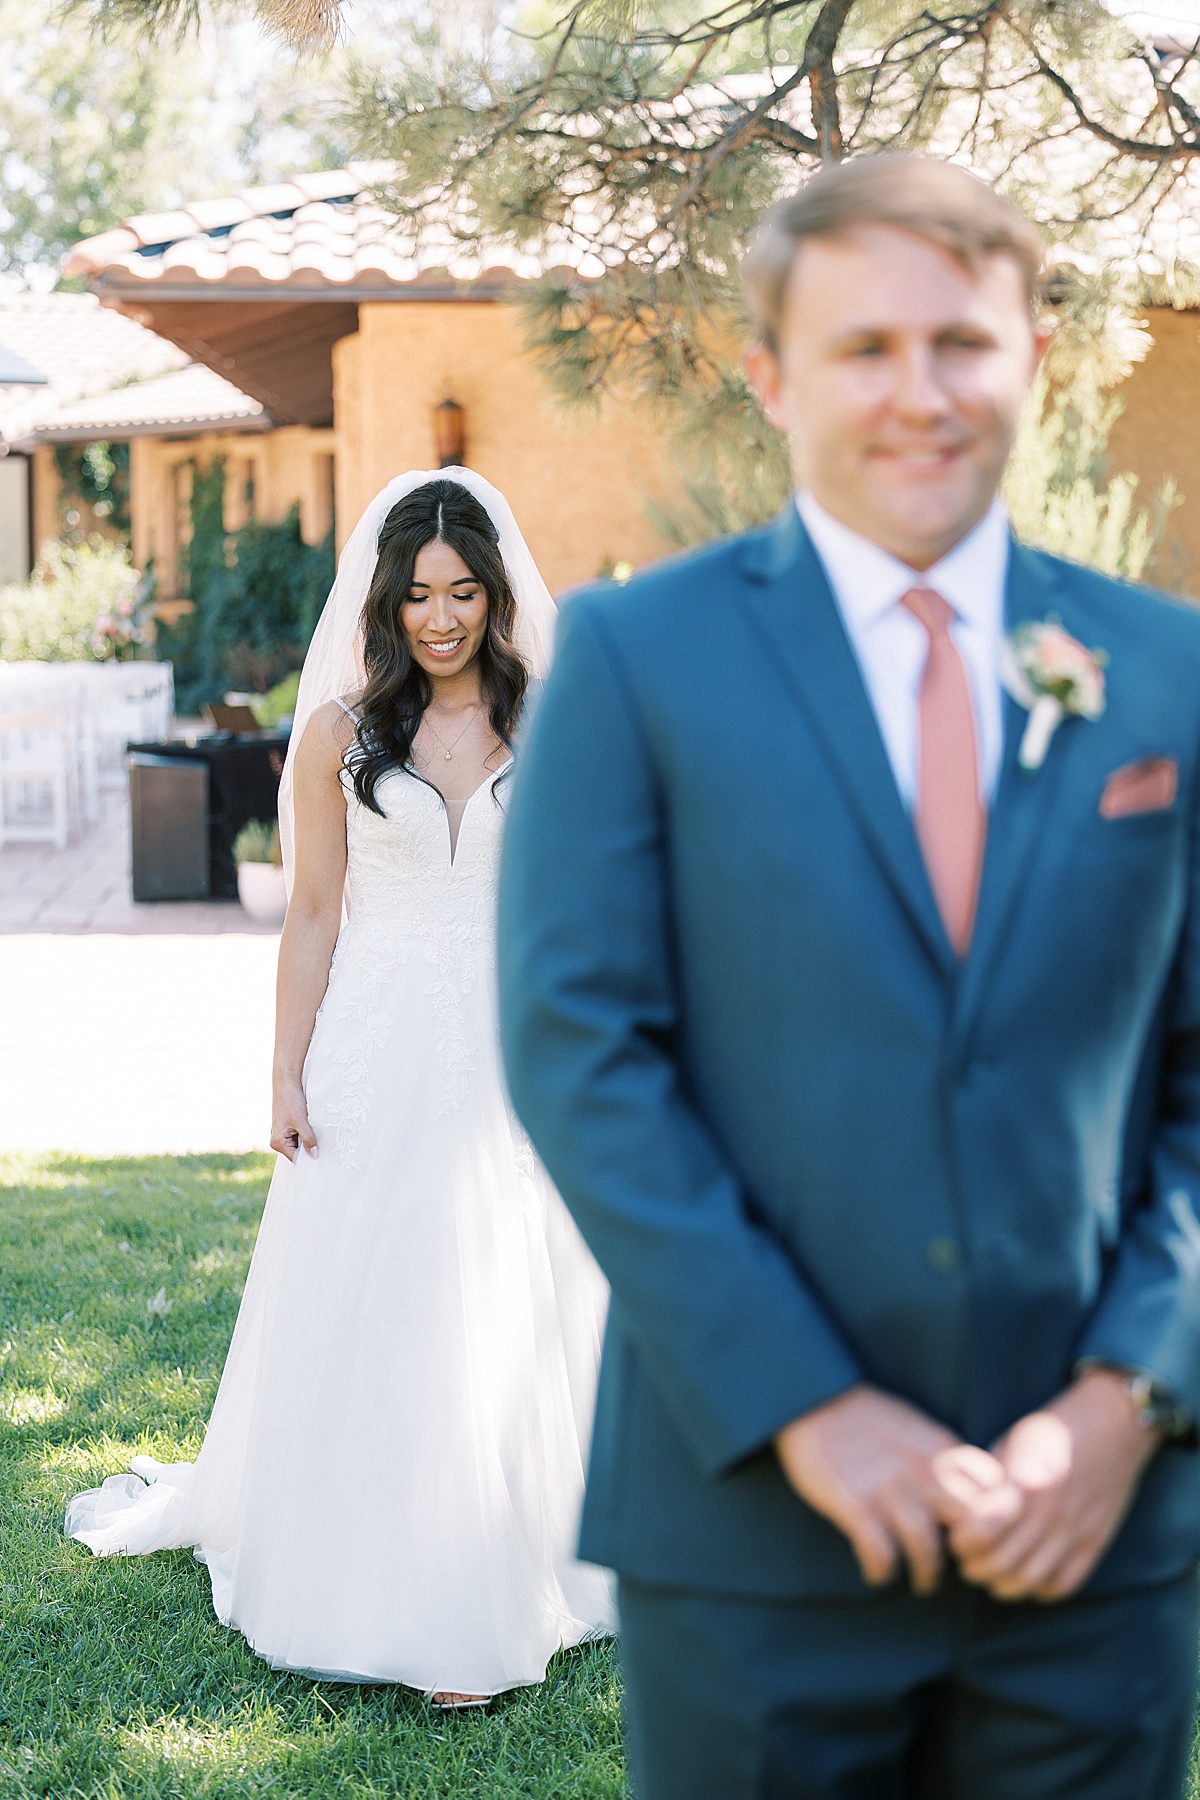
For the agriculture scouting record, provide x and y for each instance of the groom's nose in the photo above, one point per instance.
(919, 389)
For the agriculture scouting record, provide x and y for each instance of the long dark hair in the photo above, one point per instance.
(397, 689)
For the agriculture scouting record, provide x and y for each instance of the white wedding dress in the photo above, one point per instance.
(390, 1484)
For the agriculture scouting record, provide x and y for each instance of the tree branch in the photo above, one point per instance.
(1134, 148)
(819, 49)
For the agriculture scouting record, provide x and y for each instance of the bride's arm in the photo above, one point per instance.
(314, 917)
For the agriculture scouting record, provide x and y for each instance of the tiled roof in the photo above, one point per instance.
(316, 231)
(174, 404)
(80, 347)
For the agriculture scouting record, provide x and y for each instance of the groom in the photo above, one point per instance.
(861, 1033)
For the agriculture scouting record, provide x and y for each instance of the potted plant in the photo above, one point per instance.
(275, 708)
(259, 862)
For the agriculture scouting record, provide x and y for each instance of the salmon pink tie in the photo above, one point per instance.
(951, 818)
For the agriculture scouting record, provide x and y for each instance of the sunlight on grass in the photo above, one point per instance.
(21, 1407)
(233, 1747)
(116, 1681)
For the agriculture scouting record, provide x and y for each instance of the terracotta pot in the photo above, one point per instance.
(261, 891)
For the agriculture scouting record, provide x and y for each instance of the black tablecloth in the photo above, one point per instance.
(243, 784)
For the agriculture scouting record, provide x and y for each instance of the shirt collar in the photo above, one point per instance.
(868, 580)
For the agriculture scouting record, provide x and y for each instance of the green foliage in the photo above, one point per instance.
(640, 141)
(98, 475)
(206, 552)
(1062, 492)
(89, 133)
(116, 1681)
(733, 468)
(257, 612)
(95, 126)
(258, 842)
(255, 609)
(256, 594)
(1064, 497)
(279, 702)
(648, 138)
(83, 603)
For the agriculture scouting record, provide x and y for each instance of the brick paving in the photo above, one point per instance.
(86, 887)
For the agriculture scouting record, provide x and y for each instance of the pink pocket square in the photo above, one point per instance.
(1146, 786)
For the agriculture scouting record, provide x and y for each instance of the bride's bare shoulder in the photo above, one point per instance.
(327, 736)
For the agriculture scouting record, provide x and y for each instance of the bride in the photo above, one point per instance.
(389, 1485)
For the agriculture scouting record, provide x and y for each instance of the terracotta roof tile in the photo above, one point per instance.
(216, 215)
(160, 228)
(284, 196)
(324, 229)
(181, 401)
(328, 184)
(110, 246)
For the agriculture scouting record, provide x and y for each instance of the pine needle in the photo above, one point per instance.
(304, 24)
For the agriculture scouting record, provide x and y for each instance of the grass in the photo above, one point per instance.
(116, 1682)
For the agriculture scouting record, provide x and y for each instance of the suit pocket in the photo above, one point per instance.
(1148, 786)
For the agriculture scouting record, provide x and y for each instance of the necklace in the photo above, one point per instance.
(449, 753)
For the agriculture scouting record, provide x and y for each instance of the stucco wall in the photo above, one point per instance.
(1159, 435)
(289, 465)
(578, 484)
(46, 520)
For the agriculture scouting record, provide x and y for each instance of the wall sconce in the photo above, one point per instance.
(450, 434)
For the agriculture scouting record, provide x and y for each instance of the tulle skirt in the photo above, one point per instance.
(390, 1483)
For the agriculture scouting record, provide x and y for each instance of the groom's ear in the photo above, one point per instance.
(764, 375)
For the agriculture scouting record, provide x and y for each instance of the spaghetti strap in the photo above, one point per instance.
(348, 710)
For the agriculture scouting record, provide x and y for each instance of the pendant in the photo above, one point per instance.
(449, 758)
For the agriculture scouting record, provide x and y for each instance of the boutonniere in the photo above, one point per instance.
(1054, 677)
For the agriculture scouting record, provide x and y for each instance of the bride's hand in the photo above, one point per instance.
(290, 1129)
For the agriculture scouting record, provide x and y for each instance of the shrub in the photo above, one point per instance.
(1064, 497)
(256, 594)
(97, 475)
(1063, 493)
(83, 603)
(258, 842)
(278, 702)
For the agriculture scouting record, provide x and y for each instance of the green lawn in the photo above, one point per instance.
(116, 1682)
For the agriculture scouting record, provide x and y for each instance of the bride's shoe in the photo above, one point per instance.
(448, 1701)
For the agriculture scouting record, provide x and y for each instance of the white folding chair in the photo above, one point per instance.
(35, 778)
(61, 688)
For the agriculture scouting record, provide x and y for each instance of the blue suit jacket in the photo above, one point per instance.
(806, 1145)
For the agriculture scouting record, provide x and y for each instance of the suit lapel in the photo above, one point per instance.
(791, 606)
(1020, 813)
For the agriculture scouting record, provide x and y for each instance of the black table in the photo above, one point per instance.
(243, 784)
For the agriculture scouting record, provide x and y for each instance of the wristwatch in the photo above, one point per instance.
(1154, 1405)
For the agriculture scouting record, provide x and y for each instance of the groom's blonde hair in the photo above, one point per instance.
(934, 200)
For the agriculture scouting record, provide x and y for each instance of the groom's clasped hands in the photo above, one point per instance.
(1027, 1520)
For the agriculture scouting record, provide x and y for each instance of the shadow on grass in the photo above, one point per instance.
(116, 1681)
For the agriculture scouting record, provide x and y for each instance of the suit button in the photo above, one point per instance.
(942, 1255)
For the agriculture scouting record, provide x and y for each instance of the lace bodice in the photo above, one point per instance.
(400, 868)
(411, 903)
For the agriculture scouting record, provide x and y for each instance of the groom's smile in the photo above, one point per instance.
(899, 379)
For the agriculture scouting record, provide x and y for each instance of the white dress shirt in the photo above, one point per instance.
(891, 644)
